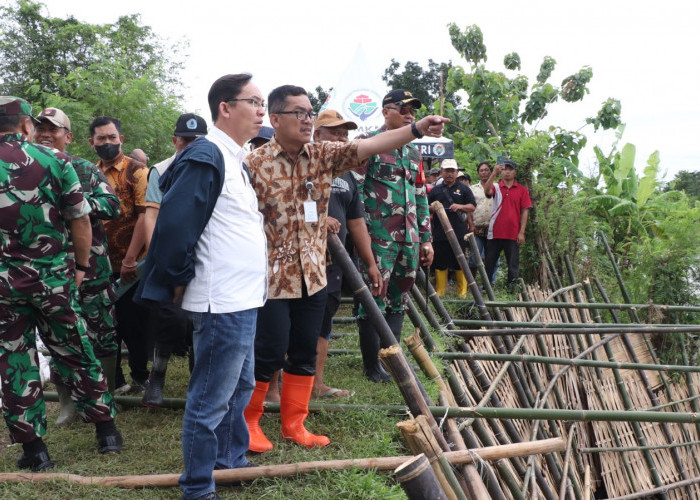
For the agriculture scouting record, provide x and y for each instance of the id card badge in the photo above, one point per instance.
(310, 212)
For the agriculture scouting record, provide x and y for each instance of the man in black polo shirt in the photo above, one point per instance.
(457, 199)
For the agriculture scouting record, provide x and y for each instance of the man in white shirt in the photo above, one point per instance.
(211, 254)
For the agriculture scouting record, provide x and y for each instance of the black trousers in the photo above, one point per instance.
(132, 328)
(291, 327)
(170, 328)
(511, 249)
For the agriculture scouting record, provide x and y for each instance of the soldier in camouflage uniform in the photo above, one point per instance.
(392, 186)
(96, 291)
(40, 200)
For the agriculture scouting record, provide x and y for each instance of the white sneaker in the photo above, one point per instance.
(122, 389)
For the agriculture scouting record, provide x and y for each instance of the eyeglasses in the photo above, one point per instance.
(256, 104)
(337, 132)
(301, 115)
(404, 110)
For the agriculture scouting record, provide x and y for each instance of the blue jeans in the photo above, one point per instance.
(214, 432)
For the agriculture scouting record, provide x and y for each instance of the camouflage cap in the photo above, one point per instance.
(15, 106)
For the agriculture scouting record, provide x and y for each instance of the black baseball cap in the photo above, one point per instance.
(190, 125)
(401, 96)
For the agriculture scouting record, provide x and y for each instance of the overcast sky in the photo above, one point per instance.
(643, 53)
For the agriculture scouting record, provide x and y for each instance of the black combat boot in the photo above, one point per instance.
(369, 345)
(153, 396)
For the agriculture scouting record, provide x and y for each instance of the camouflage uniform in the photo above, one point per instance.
(398, 220)
(39, 194)
(96, 292)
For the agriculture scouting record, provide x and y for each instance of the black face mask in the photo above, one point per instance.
(108, 151)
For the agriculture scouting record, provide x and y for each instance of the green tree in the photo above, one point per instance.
(502, 117)
(424, 84)
(688, 182)
(121, 69)
(318, 97)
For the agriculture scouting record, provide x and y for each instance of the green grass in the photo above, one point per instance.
(152, 444)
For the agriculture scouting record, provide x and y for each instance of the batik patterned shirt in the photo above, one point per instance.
(39, 195)
(129, 179)
(296, 248)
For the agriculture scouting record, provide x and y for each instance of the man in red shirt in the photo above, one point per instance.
(508, 220)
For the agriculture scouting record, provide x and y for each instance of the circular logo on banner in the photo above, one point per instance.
(191, 124)
(329, 97)
(438, 150)
(362, 103)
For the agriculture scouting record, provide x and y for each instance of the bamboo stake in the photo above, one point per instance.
(573, 305)
(554, 294)
(425, 308)
(647, 386)
(515, 372)
(527, 358)
(395, 362)
(637, 326)
(637, 448)
(662, 490)
(565, 329)
(491, 481)
(287, 470)
(587, 494)
(414, 316)
(603, 294)
(565, 468)
(419, 436)
(418, 480)
(620, 282)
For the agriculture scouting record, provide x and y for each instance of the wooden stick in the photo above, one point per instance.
(286, 470)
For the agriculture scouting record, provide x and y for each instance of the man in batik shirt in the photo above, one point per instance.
(96, 292)
(40, 200)
(292, 178)
(126, 237)
(392, 186)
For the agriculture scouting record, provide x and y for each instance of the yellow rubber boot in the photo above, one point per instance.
(440, 281)
(461, 284)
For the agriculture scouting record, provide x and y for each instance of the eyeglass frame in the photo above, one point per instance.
(256, 104)
(310, 115)
(404, 109)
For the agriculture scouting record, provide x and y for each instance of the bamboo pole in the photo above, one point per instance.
(619, 449)
(414, 316)
(601, 290)
(515, 372)
(360, 290)
(528, 358)
(396, 363)
(287, 470)
(418, 480)
(564, 330)
(637, 326)
(573, 305)
(650, 392)
(419, 436)
(565, 468)
(662, 490)
(618, 276)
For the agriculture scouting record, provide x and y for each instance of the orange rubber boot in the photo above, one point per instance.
(294, 407)
(258, 442)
